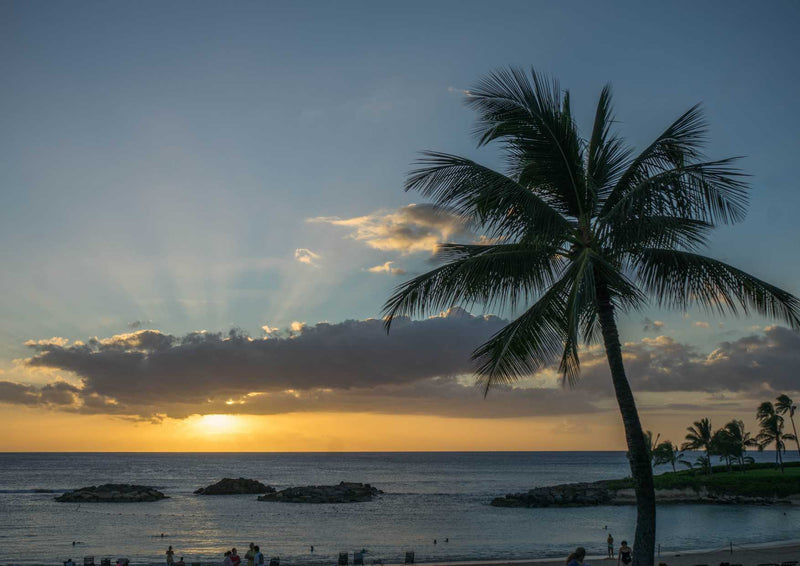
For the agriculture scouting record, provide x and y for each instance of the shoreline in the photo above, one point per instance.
(749, 555)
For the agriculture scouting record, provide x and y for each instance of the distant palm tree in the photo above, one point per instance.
(739, 440)
(578, 230)
(784, 405)
(668, 453)
(772, 431)
(700, 437)
(652, 444)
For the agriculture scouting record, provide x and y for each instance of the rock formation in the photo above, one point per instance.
(345, 492)
(111, 493)
(230, 486)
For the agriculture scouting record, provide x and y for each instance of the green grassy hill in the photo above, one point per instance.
(759, 480)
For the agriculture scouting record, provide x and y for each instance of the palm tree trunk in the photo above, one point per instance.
(645, 537)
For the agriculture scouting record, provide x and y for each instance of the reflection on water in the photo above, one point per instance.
(428, 496)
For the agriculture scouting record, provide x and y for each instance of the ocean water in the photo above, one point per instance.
(427, 496)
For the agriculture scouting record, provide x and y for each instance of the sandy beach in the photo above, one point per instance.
(775, 553)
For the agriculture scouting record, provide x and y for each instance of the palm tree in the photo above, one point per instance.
(668, 453)
(700, 437)
(579, 230)
(739, 440)
(772, 431)
(651, 444)
(784, 405)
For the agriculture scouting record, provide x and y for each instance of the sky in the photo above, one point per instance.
(202, 213)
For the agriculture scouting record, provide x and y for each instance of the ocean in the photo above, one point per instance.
(428, 495)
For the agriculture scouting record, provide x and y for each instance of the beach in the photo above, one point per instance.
(753, 555)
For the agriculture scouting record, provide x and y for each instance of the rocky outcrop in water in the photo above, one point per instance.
(231, 486)
(565, 495)
(112, 493)
(345, 492)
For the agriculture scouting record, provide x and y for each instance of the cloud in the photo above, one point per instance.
(304, 255)
(652, 325)
(421, 367)
(137, 324)
(409, 229)
(757, 364)
(58, 393)
(701, 324)
(387, 268)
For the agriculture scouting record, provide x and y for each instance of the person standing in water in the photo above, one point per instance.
(170, 556)
(610, 541)
(624, 555)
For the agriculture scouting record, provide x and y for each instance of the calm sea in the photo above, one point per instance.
(428, 496)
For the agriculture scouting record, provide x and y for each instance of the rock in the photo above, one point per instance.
(345, 492)
(230, 486)
(565, 495)
(112, 493)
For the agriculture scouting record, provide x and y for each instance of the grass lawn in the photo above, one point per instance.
(758, 480)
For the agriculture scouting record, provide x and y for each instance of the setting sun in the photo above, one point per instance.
(217, 424)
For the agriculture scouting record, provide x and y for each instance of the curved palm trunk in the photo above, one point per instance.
(645, 538)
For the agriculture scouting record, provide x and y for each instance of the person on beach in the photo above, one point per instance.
(258, 558)
(180, 562)
(235, 558)
(227, 561)
(624, 554)
(610, 541)
(576, 558)
(170, 556)
(250, 554)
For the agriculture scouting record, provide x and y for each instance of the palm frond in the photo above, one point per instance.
(500, 204)
(537, 130)
(658, 232)
(679, 279)
(526, 344)
(497, 275)
(607, 156)
(711, 191)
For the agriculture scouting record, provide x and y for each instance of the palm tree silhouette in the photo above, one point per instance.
(772, 431)
(784, 405)
(579, 230)
(700, 437)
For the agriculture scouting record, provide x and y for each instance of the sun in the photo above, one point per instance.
(218, 424)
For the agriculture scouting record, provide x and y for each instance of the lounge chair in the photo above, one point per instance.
(343, 559)
(409, 558)
(89, 561)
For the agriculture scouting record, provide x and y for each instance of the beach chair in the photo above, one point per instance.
(409, 558)
(343, 559)
(358, 559)
(89, 561)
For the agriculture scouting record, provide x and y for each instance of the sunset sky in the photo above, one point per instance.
(202, 213)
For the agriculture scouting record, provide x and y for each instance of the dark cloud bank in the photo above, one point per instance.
(355, 366)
